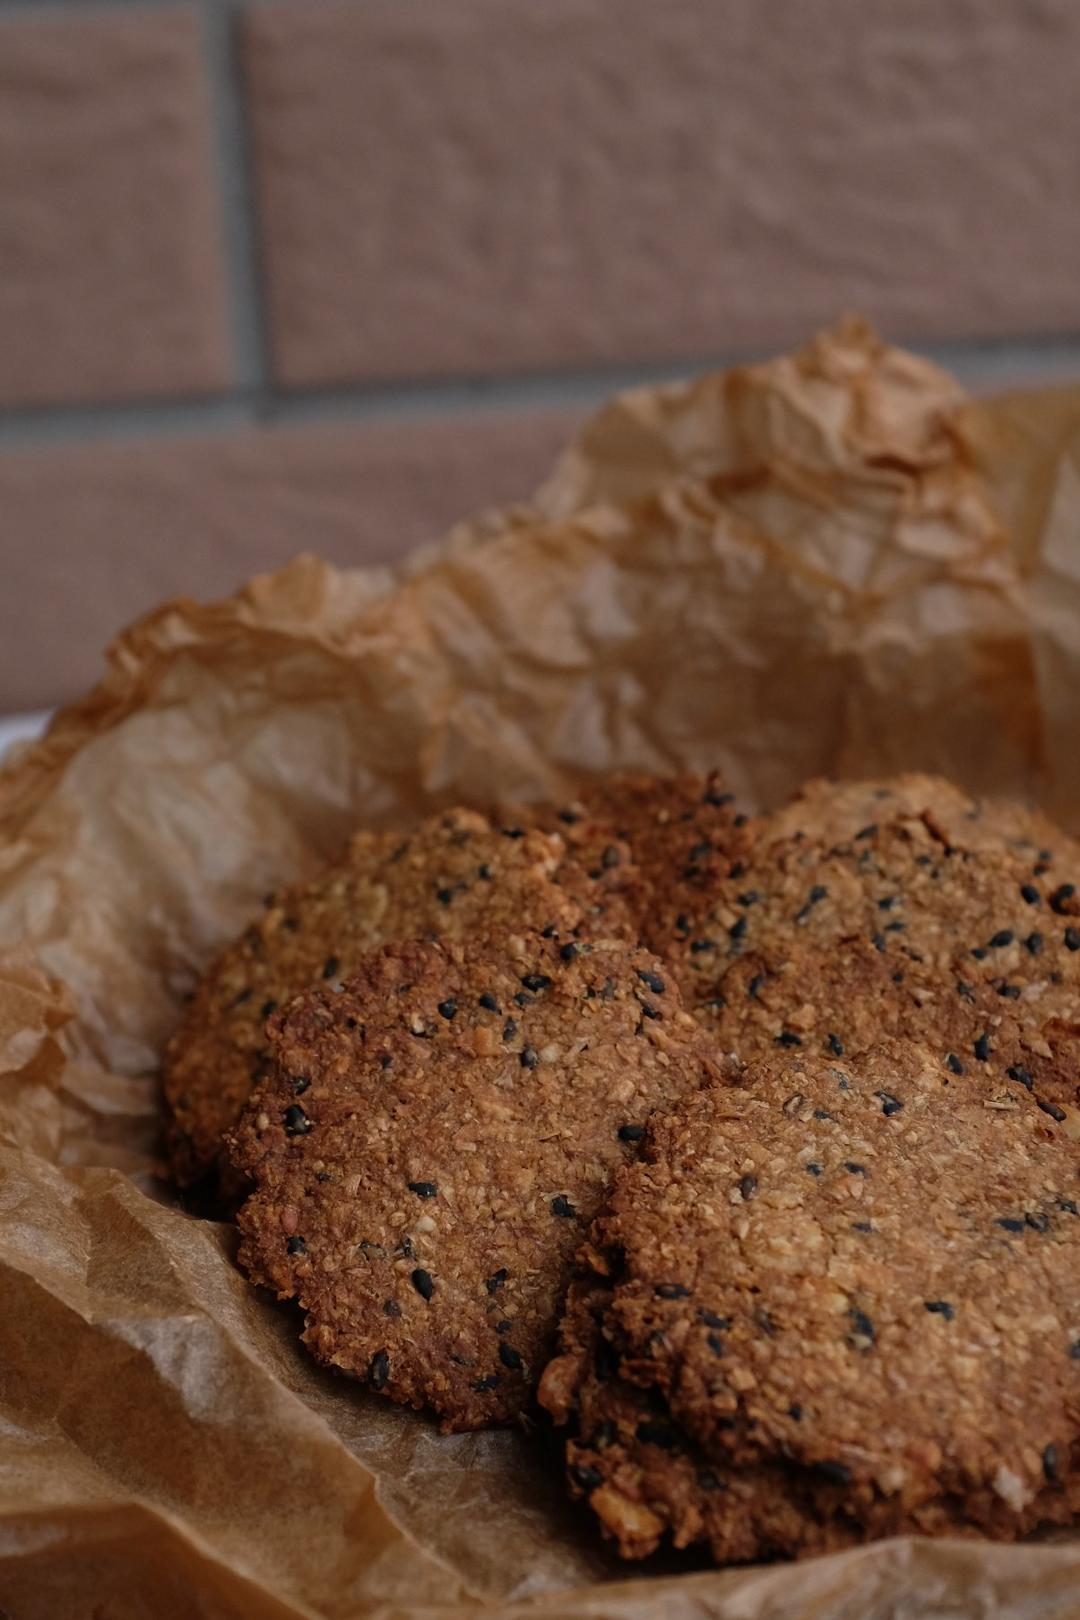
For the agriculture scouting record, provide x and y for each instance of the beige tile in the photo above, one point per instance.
(95, 535)
(485, 185)
(110, 266)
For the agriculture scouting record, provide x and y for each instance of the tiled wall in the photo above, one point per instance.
(327, 274)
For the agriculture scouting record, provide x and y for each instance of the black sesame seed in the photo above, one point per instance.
(1052, 1109)
(509, 1356)
(699, 945)
(496, 1280)
(940, 1307)
(488, 1382)
(330, 967)
(649, 1011)
(1034, 943)
(300, 1084)
(561, 1205)
(631, 1133)
(1038, 1223)
(671, 1291)
(862, 1324)
(536, 981)
(711, 1319)
(861, 1226)
(550, 932)
(657, 1434)
(979, 953)
(607, 991)
(424, 1189)
(823, 1113)
(834, 1473)
(448, 1008)
(651, 981)
(385, 1060)
(512, 832)
(1061, 894)
(795, 1411)
(504, 1325)
(1003, 937)
(1072, 939)
(836, 1045)
(296, 1245)
(715, 1343)
(868, 831)
(786, 1038)
(588, 1478)
(391, 1308)
(718, 799)
(1008, 1223)
(444, 896)
(1070, 1205)
(484, 873)
(1022, 1076)
(245, 995)
(379, 1369)
(570, 817)
(568, 951)
(854, 1169)
(1050, 1462)
(982, 1048)
(529, 1058)
(814, 1169)
(267, 1008)
(953, 1062)
(878, 941)
(890, 1105)
(964, 990)
(1030, 893)
(489, 1002)
(510, 1029)
(748, 1187)
(737, 929)
(755, 985)
(296, 1121)
(750, 898)
(522, 1000)
(423, 1282)
(1074, 1350)
(740, 820)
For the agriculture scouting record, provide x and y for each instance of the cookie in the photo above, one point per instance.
(456, 873)
(838, 1003)
(848, 1291)
(997, 912)
(657, 842)
(433, 1142)
(829, 812)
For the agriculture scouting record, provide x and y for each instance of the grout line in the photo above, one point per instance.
(236, 195)
(978, 365)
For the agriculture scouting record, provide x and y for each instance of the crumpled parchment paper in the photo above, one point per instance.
(830, 563)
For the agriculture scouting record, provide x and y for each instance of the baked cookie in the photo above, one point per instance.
(998, 911)
(432, 1143)
(845, 1293)
(455, 874)
(658, 842)
(835, 812)
(838, 1003)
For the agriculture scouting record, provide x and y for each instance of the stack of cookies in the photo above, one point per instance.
(750, 1146)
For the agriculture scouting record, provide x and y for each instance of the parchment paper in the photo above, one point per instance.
(831, 563)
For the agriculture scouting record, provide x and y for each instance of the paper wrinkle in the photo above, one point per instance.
(832, 563)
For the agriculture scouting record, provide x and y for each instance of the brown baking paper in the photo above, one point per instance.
(832, 563)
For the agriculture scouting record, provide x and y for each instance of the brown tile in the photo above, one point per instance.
(110, 265)
(492, 184)
(94, 535)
